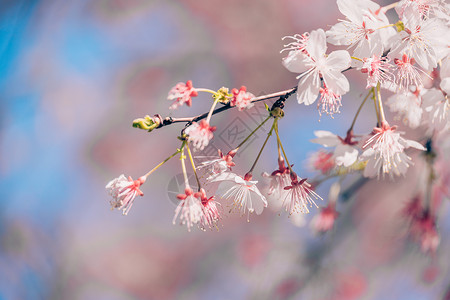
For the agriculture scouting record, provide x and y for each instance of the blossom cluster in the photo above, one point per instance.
(407, 58)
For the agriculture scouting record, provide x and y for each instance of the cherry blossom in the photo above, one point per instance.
(384, 152)
(299, 196)
(422, 40)
(218, 165)
(378, 70)
(329, 102)
(124, 191)
(324, 221)
(211, 214)
(182, 93)
(200, 134)
(407, 74)
(322, 161)
(362, 28)
(316, 66)
(424, 231)
(407, 105)
(345, 154)
(279, 179)
(190, 209)
(242, 98)
(242, 192)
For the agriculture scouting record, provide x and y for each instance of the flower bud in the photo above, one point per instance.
(147, 123)
(222, 95)
(277, 112)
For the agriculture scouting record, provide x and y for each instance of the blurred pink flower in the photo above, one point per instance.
(182, 93)
(200, 134)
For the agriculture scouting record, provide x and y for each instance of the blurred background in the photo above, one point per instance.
(73, 76)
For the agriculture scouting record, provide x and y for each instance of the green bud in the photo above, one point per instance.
(399, 26)
(222, 95)
(147, 123)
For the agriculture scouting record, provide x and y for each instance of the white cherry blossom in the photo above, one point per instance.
(317, 65)
(241, 192)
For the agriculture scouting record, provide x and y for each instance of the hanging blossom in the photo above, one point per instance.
(406, 74)
(407, 105)
(299, 196)
(241, 98)
(182, 93)
(211, 214)
(324, 221)
(322, 161)
(421, 40)
(200, 134)
(384, 152)
(242, 192)
(190, 209)
(219, 165)
(279, 179)
(361, 28)
(316, 65)
(345, 154)
(377, 69)
(124, 191)
(329, 102)
(423, 230)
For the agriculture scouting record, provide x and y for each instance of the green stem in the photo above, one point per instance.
(281, 146)
(262, 148)
(359, 110)
(376, 107)
(161, 163)
(183, 167)
(380, 103)
(193, 165)
(256, 129)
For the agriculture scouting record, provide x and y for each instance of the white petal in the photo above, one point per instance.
(326, 138)
(336, 81)
(414, 144)
(445, 85)
(308, 88)
(345, 155)
(317, 44)
(338, 60)
(296, 62)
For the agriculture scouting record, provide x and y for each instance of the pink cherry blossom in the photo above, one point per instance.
(329, 102)
(279, 179)
(124, 191)
(322, 161)
(378, 70)
(190, 209)
(406, 74)
(218, 165)
(317, 65)
(211, 214)
(424, 231)
(385, 152)
(324, 221)
(199, 134)
(242, 98)
(345, 154)
(182, 93)
(299, 196)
